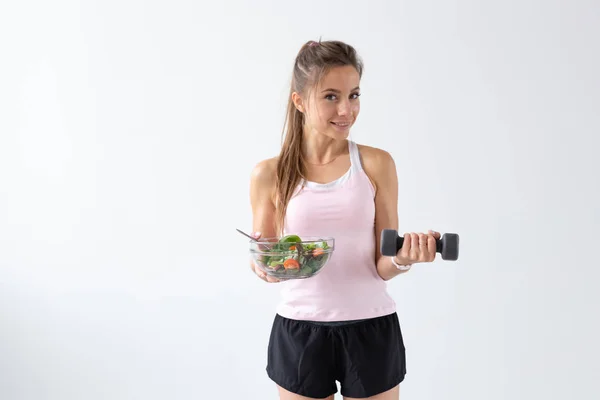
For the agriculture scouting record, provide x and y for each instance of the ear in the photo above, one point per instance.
(298, 102)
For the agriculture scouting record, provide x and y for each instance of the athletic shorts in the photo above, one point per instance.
(366, 356)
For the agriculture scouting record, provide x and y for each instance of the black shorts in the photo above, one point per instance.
(367, 357)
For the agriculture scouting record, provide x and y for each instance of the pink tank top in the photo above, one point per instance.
(348, 287)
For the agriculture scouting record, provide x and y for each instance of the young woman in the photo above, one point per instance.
(340, 325)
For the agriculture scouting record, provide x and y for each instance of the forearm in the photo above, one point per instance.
(387, 270)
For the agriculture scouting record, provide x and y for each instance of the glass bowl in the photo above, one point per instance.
(292, 257)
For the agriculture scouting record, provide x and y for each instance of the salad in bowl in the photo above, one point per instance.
(292, 256)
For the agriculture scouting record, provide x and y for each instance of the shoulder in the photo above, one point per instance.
(378, 164)
(374, 157)
(263, 176)
(264, 171)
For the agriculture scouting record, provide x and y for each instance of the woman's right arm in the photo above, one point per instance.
(262, 195)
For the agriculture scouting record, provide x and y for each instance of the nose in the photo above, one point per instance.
(344, 108)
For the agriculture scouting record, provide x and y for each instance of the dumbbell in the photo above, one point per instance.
(447, 245)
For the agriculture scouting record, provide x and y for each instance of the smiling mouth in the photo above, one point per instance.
(341, 124)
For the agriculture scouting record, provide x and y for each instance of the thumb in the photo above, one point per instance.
(256, 235)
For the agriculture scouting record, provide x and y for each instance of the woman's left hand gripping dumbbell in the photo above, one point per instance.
(417, 248)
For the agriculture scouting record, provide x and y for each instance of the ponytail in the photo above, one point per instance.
(290, 166)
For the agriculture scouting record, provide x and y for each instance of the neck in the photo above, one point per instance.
(319, 149)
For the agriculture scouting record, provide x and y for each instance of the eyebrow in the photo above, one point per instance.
(337, 91)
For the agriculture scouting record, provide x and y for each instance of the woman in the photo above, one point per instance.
(340, 325)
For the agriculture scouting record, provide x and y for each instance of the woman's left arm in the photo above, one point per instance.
(417, 247)
(385, 178)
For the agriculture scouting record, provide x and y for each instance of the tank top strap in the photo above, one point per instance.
(354, 156)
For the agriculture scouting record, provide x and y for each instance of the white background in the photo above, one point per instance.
(128, 131)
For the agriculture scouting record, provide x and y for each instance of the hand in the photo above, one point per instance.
(418, 248)
(262, 275)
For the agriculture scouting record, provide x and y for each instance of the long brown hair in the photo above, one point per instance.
(313, 61)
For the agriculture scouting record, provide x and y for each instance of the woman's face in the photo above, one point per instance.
(334, 104)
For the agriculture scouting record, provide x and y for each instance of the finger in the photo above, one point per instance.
(414, 247)
(405, 250)
(260, 274)
(422, 240)
(431, 247)
(423, 254)
(271, 279)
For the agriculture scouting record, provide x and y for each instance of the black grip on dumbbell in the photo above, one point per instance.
(447, 245)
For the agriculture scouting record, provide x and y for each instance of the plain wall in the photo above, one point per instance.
(128, 131)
